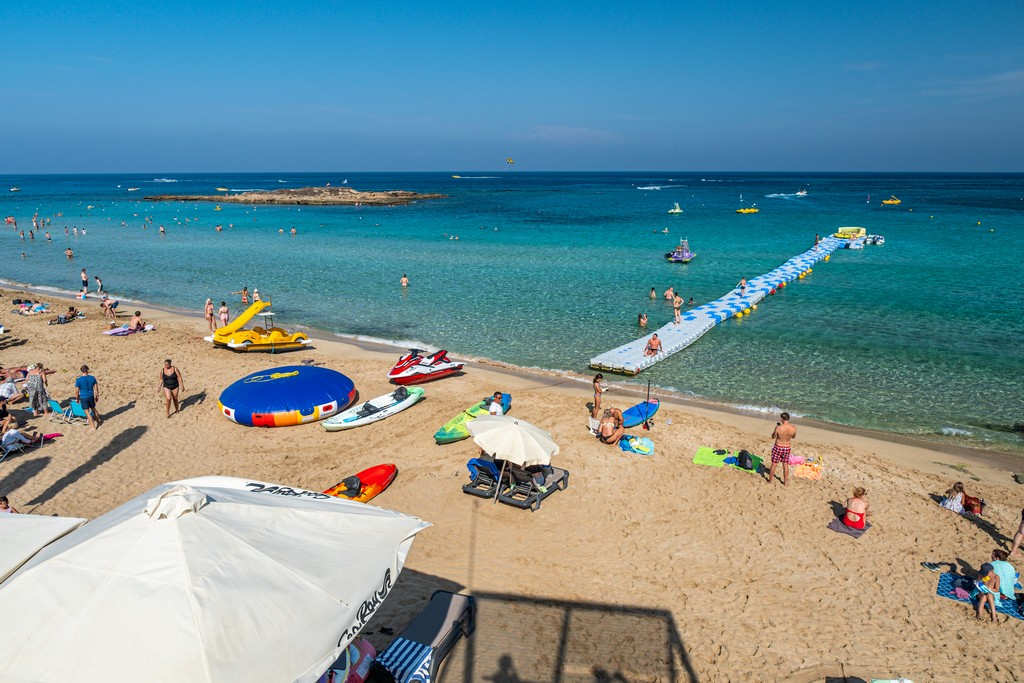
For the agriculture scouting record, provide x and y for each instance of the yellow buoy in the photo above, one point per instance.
(979, 222)
(739, 314)
(754, 307)
(827, 258)
(746, 311)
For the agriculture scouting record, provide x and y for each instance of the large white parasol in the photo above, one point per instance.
(212, 579)
(512, 439)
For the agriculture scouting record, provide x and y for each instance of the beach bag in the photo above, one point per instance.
(744, 460)
(972, 505)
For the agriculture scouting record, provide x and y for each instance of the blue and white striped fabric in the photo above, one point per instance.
(407, 661)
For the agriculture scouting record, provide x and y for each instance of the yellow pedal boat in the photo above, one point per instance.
(267, 338)
(892, 201)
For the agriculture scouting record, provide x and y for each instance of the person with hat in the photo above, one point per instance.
(256, 295)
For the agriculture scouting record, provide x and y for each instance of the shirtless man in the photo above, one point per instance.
(670, 294)
(137, 324)
(783, 435)
(653, 346)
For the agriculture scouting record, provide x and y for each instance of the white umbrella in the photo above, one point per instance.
(21, 537)
(512, 439)
(221, 580)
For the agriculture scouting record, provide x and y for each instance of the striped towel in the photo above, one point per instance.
(407, 661)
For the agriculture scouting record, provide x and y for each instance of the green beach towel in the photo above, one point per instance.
(706, 456)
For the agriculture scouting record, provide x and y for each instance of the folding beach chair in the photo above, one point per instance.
(77, 412)
(594, 425)
(415, 656)
(58, 414)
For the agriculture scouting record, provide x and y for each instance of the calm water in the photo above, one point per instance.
(921, 336)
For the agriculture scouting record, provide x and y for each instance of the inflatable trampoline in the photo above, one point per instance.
(281, 397)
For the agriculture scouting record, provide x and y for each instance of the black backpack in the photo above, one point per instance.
(744, 460)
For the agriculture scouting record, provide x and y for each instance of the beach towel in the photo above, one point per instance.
(837, 525)
(809, 470)
(712, 457)
(637, 444)
(949, 582)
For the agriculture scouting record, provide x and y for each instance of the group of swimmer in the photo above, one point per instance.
(677, 305)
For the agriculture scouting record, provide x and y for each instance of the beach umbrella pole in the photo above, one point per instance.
(497, 489)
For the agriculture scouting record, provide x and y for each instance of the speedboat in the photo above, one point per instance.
(675, 209)
(15, 189)
(801, 193)
(681, 254)
(222, 189)
(892, 201)
(876, 239)
(412, 368)
(133, 189)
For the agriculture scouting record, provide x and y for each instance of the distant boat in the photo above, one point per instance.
(15, 189)
(133, 189)
(801, 193)
(222, 189)
(748, 208)
(217, 208)
(675, 209)
(892, 201)
(456, 176)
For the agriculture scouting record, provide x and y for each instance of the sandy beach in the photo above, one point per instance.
(644, 569)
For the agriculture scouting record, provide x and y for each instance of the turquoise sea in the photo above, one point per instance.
(921, 336)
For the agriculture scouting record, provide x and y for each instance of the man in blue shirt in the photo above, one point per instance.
(87, 392)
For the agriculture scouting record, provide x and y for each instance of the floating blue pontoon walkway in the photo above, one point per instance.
(629, 358)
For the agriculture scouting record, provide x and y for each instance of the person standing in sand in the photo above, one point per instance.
(784, 434)
(598, 390)
(223, 312)
(171, 382)
(208, 312)
(87, 391)
(1018, 537)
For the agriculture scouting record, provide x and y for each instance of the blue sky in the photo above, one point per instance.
(460, 86)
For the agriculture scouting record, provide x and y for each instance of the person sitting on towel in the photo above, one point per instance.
(857, 508)
(609, 431)
(137, 324)
(1005, 571)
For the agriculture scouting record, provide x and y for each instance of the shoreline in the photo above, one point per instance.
(911, 448)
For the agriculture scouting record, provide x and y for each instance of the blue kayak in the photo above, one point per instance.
(640, 413)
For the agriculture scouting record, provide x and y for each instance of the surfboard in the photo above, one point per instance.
(456, 429)
(641, 412)
(374, 410)
(365, 485)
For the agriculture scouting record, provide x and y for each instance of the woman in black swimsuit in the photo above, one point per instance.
(171, 382)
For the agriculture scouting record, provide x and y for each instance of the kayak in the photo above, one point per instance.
(364, 485)
(640, 413)
(374, 410)
(456, 429)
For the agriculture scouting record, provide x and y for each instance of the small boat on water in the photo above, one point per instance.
(801, 193)
(133, 189)
(892, 201)
(747, 208)
(217, 208)
(15, 189)
(675, 209)
(222, 189)
(681, 254)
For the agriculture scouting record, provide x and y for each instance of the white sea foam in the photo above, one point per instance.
(162, 180)
(762, 409)
(954, 431)
(649, 187)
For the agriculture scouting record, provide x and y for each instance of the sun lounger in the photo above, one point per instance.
(593, 425)
(415, 656)
(484, 474)
(526, 493)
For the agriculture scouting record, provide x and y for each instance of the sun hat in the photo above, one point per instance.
(32, 367)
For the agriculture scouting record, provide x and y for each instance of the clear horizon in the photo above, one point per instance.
(317, 86)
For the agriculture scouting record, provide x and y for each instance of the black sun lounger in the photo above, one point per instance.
(416, 654)
(484, 478)
(526, 493)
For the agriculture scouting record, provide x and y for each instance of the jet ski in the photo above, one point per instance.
(412, 368)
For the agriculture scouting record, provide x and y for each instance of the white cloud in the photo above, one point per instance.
(1006, 84)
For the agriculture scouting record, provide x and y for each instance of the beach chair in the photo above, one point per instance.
(77, 413)
(58, 414)
(594, 425)
(17, 447)
(484, 475)
(415, 656)
(526, 493)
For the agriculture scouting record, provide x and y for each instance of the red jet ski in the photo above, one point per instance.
(412, 368)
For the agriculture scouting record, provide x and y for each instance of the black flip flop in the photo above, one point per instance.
(931, 566)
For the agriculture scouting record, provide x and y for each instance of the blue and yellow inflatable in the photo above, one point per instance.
(281, 397)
